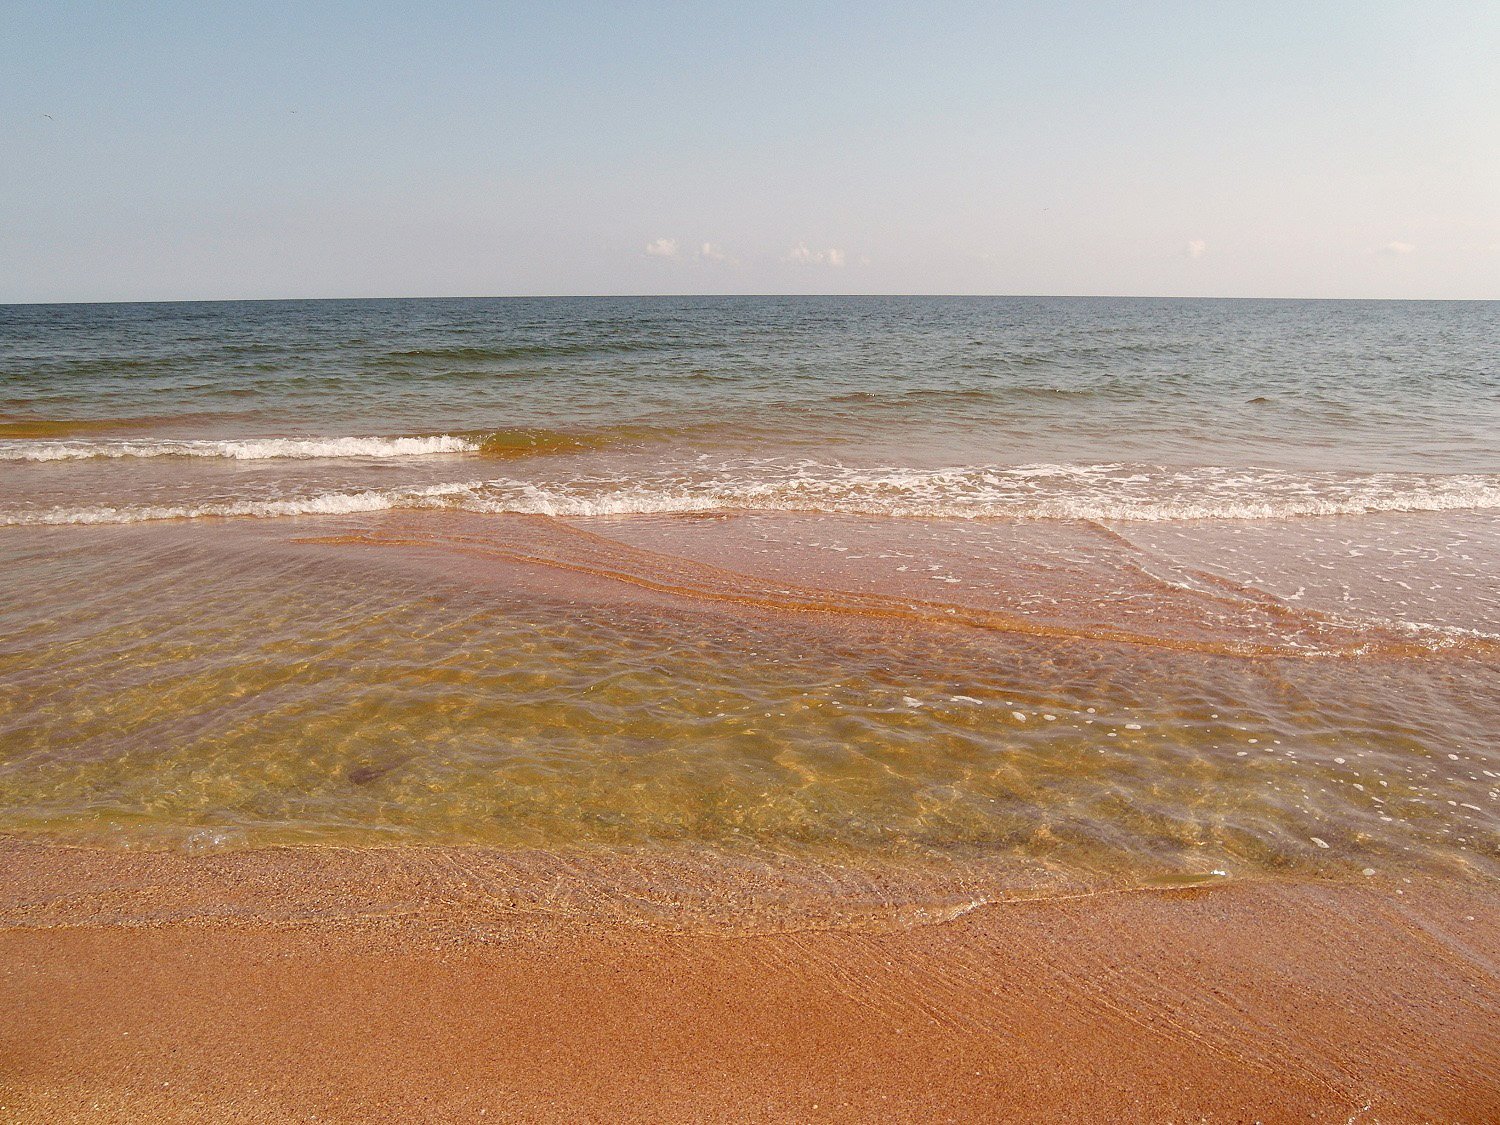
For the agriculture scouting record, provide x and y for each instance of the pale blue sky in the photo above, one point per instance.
(184, 150)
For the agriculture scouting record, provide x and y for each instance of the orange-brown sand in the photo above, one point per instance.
(1260, 1001)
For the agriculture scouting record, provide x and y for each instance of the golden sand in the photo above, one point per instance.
(1261, 1001)
(681, 840)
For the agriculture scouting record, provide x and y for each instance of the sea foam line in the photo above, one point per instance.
(248, 449)
(1103, 493)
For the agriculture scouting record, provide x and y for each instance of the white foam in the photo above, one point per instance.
(1093, 492)
(249, 449)
(323, 504)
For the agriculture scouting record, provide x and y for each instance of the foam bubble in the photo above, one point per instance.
(329, 503)
(1078, 492)
(249, 449)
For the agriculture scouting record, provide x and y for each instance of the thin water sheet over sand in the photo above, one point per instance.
(435, 818)
(889, 708)
(1272, 1001)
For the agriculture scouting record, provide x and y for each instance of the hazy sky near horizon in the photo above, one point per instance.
(182, 150)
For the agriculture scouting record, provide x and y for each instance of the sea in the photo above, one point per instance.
(800, 609)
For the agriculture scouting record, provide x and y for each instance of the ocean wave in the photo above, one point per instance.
(521, 352)
(247, 449)
(1027, 492)
(995, 394)
(500, 443)
(321, 504)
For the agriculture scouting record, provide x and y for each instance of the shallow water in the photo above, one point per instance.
(1039, 592)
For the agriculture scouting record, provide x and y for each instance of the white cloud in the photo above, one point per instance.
(1397, 248)
(802, 255)
(712, 252)
(662, 248)
(1196, 248)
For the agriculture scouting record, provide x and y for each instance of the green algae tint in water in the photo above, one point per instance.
(1046, 592)
(231, 688)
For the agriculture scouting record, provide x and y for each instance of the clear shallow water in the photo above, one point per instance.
(253, 690)
(1047, 589)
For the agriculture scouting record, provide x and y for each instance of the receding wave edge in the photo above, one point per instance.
(1102, 493)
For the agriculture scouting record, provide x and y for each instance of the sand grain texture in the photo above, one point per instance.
(1273, 1002)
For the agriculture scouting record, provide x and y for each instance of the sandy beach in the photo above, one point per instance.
(128, 999)
(612, 563)
(688, 740)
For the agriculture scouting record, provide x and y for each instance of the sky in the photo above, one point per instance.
(163, 151)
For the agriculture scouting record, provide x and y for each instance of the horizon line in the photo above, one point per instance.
(681, 296)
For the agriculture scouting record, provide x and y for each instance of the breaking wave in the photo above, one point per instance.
(1061, 492)
(499, 443)
(322, 504)
(249, 449)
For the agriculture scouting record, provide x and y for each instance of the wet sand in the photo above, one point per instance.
(1272, 1001)
(583, 982)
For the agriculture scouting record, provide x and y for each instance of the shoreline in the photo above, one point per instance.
(464, 890)
(1255, 1000)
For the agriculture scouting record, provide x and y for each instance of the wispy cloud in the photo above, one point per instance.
(802, 255)
(1397, 248)
(713, 252)
(662, 248)
(1196, 248)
